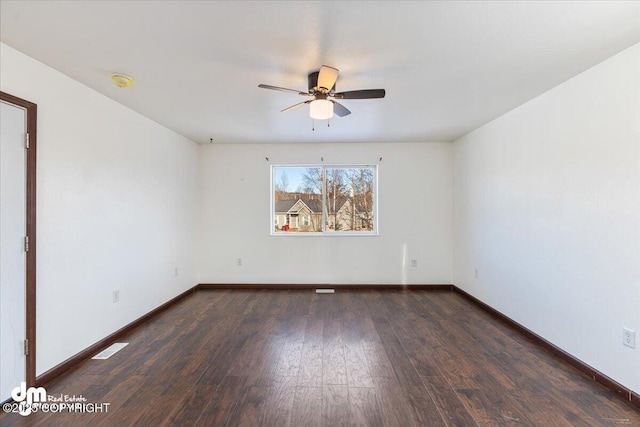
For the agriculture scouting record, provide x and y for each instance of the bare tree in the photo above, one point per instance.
(283, 182)
(281, 186)
(335, 194)
(361, 195)
(311, 188)
(312, 181)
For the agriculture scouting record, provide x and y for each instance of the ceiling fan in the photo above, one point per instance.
(322, 88)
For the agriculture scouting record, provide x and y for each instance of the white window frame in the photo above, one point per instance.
(325, 232)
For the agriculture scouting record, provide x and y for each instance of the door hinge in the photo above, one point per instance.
(26, 347)
(26, 243)
(26, 140)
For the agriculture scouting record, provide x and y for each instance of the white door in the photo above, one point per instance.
(12, 254)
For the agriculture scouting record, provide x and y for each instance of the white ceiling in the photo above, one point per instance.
(448, 67)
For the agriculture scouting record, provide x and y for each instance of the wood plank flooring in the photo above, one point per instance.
(353, 358)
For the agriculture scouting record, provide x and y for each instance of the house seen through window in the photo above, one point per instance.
(324, 199)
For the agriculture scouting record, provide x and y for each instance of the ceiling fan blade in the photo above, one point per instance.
(327, 77)
(360, 94)
(340, 109)
(284, 89)
(295, 107)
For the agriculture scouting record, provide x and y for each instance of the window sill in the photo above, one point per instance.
(327, 234)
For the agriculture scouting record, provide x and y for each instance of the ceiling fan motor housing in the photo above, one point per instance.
(313, 83)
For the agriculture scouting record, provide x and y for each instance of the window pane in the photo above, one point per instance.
(350, 199)
(317, 199)
(297, 192)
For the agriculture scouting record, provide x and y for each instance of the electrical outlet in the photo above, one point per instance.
(239, 262)
(175, 272)
(414, 263)
(629, 337)
(116, 295)
(476, 273)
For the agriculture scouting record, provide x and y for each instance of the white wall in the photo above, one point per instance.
(116, 209)
(415, 217)
(547, 209)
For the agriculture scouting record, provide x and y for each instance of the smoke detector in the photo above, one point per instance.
(122, 81)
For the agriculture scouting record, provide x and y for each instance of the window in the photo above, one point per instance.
(325, 199)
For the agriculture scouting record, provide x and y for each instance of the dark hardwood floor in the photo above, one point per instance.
(354, 358)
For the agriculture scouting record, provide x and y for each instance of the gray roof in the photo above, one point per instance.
(315, 205)
(340, 201)
(285, 205)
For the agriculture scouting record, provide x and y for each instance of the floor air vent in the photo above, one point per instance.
(110, 351)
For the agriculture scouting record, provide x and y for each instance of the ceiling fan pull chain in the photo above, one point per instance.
(328, 122)
(313, 125)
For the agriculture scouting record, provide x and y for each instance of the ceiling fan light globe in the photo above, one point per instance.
(321, 109)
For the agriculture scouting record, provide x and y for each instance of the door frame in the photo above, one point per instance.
(32, 118)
